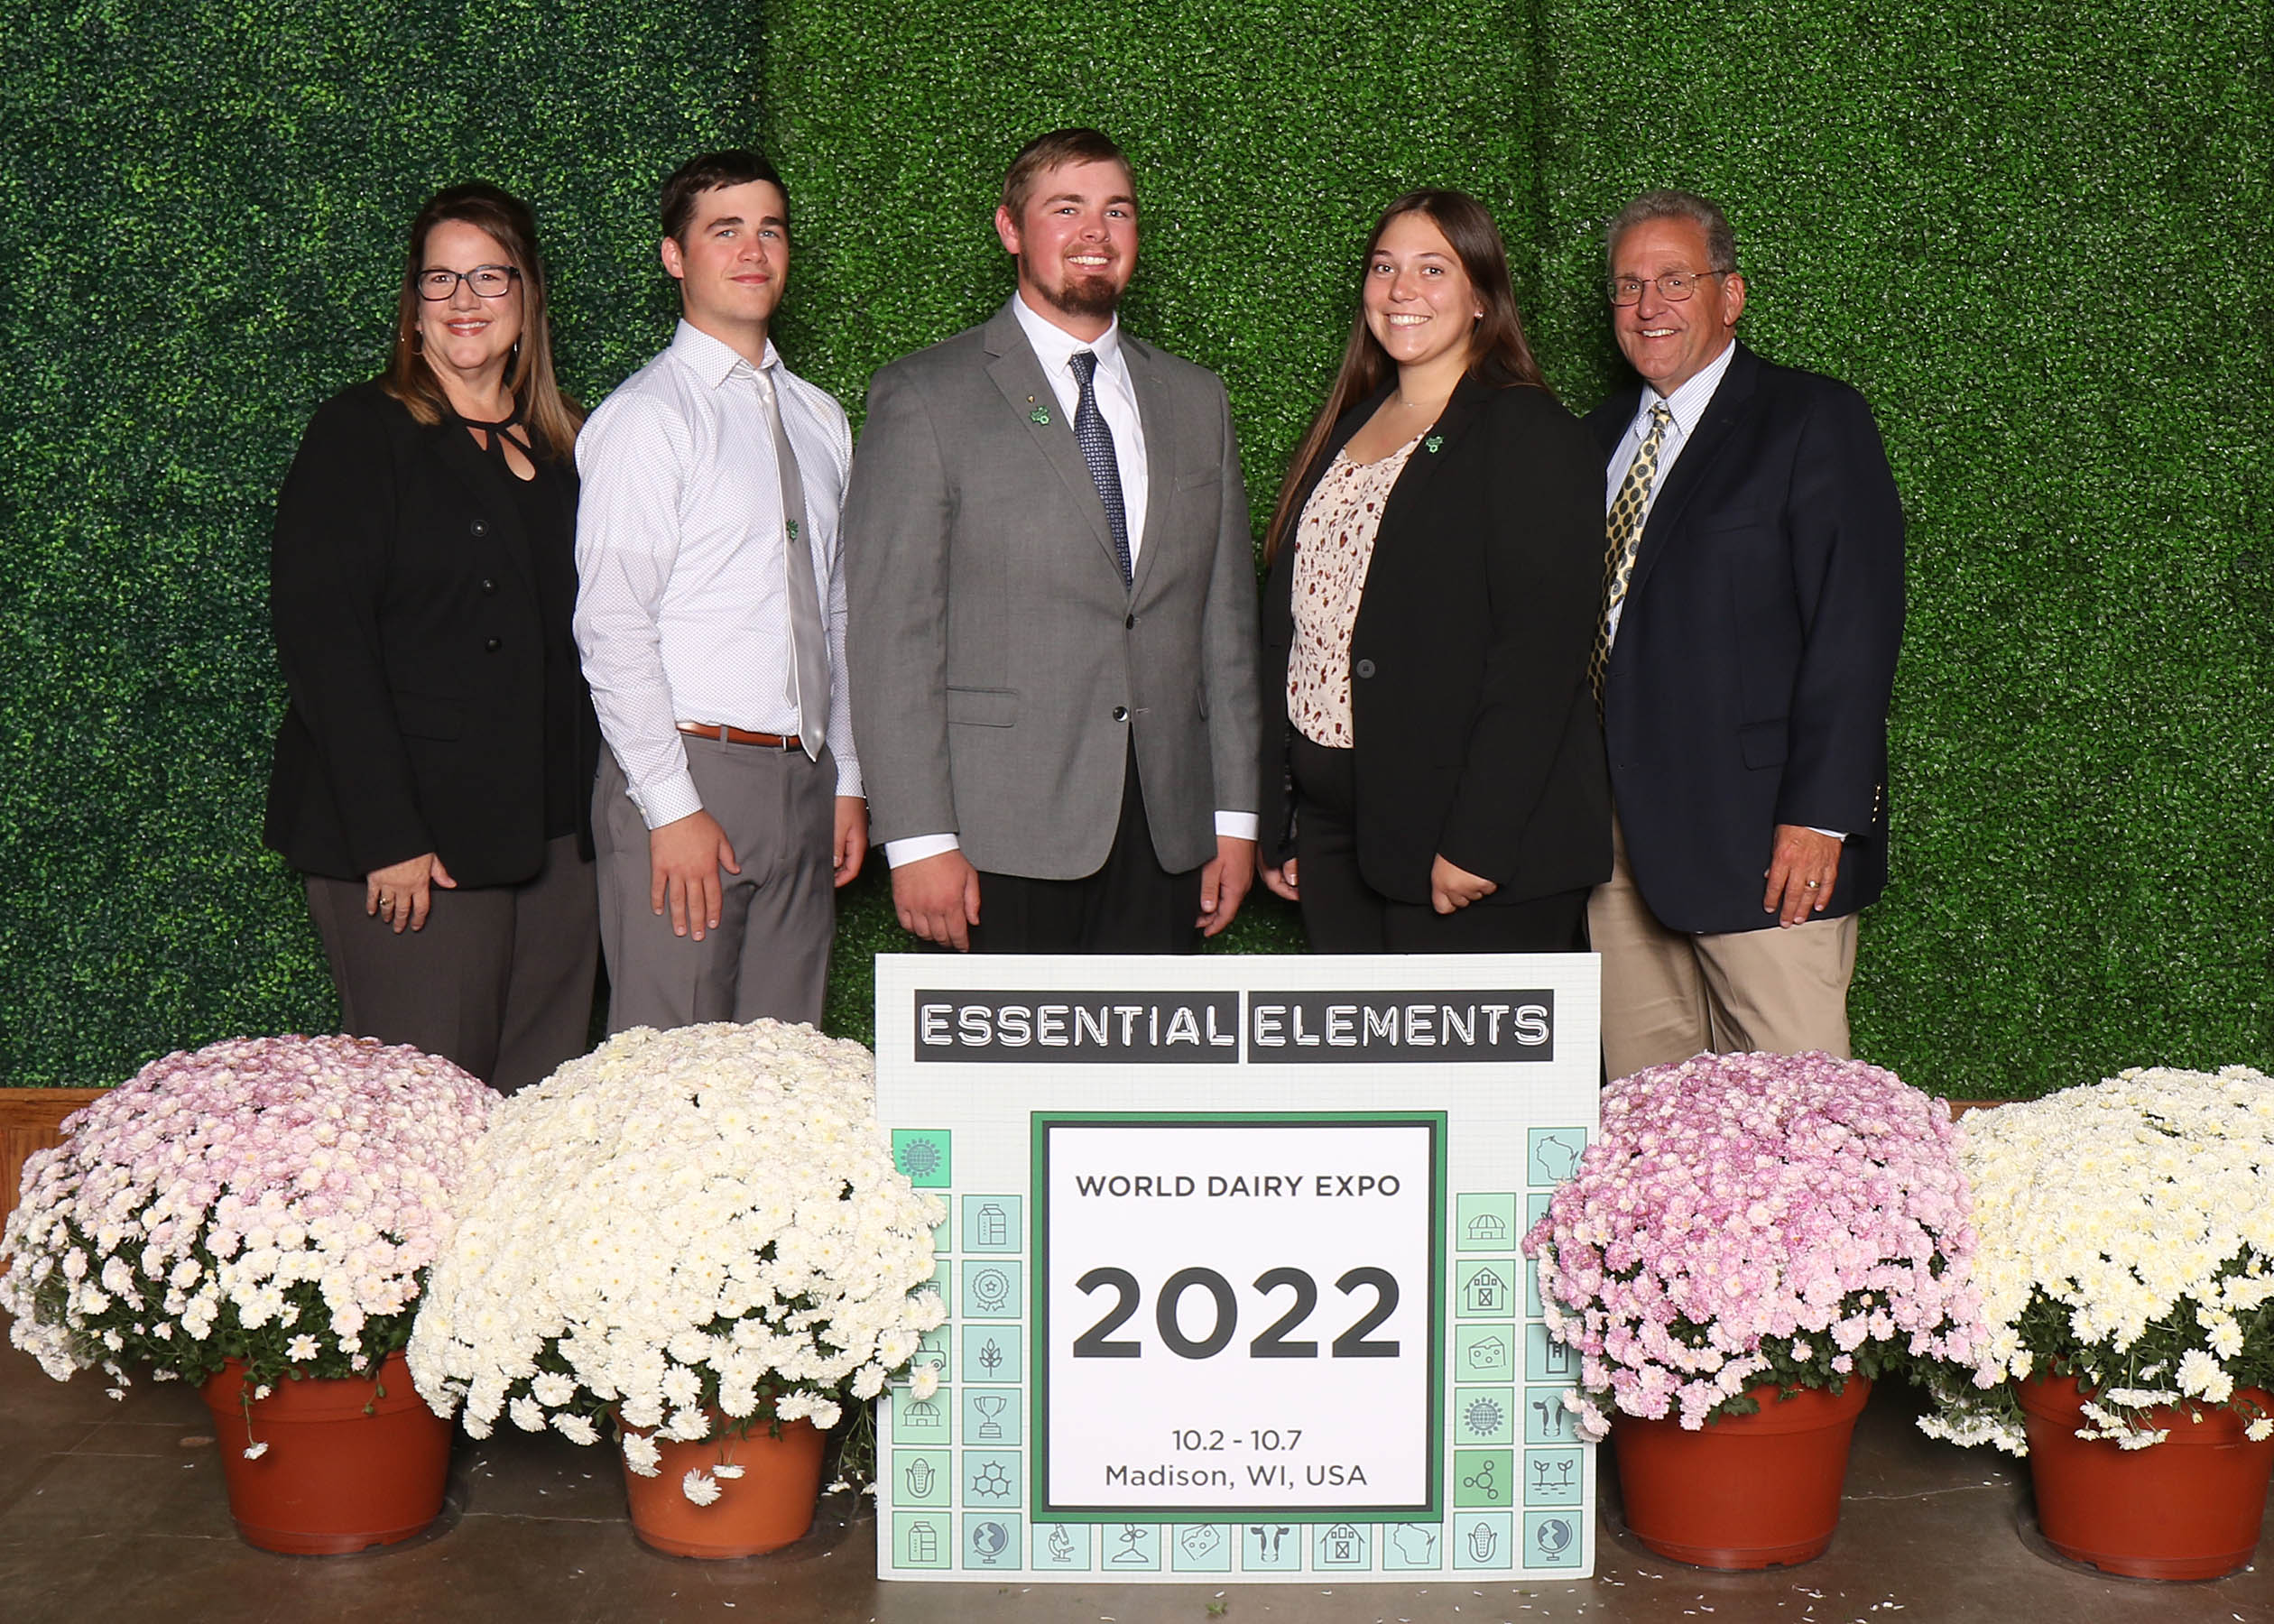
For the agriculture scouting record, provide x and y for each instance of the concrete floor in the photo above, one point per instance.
(115, 1512)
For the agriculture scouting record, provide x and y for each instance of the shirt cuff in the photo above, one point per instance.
(669, 801)
(1239, 826)
(915, 848)
(1827, 833)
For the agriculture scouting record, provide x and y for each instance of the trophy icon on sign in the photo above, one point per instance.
(990, 1405)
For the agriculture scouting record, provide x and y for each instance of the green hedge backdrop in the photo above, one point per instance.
(2035, 234)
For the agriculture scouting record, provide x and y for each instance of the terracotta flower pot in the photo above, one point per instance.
(1746, 1491)
(769, 1505)
(332, 1479)
(2188, 1508)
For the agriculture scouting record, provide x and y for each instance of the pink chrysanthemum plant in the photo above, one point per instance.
(272, 1200)
(1746, 1221)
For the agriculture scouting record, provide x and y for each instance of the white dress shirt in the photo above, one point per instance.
(1055, 349)
(682, 605)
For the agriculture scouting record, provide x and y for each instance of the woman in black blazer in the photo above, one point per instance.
(1437, 575)
(433, 773)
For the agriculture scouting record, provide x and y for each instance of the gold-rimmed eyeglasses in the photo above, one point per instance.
(1674, 285)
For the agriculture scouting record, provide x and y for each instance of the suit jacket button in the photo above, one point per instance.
(489, 585)
(493, 644)
(1121, 713)
(1364, 667)
(480, 529)
(1129, 623)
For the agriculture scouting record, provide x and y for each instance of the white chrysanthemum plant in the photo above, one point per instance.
(2127, 1239)
(272, 1200)
(689, 1234)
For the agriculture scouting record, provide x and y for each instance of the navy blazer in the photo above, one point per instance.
(403, 595)
(1474, 728)
(1750, 683)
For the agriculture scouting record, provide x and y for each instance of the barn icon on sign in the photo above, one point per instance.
(1485, 1292)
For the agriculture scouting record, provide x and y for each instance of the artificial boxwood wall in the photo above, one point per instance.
(2030, 237)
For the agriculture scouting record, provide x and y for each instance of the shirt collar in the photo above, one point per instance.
(1054, 345)
(1689, 401)
(713, 360)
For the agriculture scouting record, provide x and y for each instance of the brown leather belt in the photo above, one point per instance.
(735, 736)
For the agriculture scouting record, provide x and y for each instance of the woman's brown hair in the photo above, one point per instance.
(553, 419)
(1499, 355)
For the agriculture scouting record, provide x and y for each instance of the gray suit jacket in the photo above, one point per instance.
(998, 665)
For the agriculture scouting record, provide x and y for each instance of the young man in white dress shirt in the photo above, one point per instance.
(711, 618)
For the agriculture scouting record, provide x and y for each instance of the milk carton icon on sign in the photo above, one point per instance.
(994, 1226)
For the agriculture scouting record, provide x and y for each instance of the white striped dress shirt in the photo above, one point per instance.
(1687, 405)
(682, 605)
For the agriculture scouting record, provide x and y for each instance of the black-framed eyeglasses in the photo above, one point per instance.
(1675, 286)
(490, 282)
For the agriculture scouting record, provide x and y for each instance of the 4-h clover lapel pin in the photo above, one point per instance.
(1434, 444)
(1039, 415)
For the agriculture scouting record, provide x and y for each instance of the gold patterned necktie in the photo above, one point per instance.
(1624, 533)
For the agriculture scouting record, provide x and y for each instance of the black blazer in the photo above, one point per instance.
(1473, 727)
(403, 596)
(1750, 682)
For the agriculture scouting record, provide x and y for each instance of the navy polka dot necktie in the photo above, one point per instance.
(1096, 441)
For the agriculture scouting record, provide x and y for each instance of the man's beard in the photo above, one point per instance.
(1086, 295)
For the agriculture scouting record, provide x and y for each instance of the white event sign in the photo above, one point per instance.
(1232, 1269)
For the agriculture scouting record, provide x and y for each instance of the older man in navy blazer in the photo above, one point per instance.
(1753, 607)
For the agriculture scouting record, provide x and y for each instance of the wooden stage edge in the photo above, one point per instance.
(31, 1119)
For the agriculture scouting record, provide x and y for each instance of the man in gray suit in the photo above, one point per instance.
(1052, 594)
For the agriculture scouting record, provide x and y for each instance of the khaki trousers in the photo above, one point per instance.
(1667, 995)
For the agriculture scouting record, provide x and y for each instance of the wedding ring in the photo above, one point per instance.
(1813, 884)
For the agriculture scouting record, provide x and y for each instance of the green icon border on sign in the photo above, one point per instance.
(1484, 1222)
(927, 1155)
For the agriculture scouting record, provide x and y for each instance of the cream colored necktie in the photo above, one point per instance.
(1623, 534)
